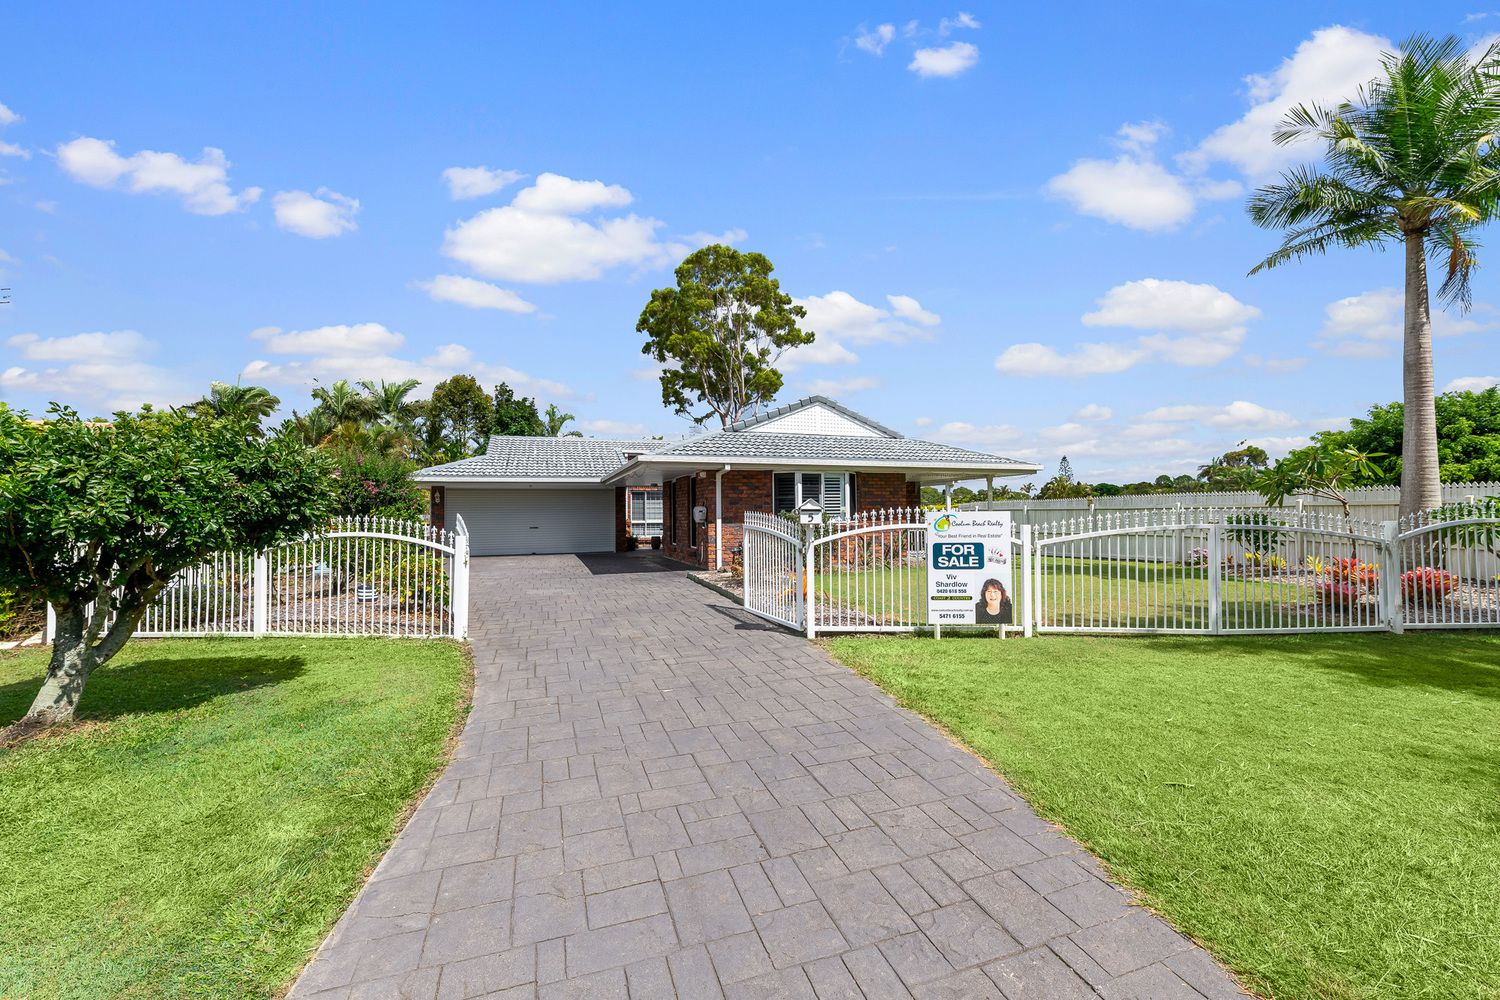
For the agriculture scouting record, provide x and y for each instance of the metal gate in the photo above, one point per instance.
(775, 586)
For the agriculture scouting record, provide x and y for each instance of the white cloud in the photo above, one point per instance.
(552, 232)
(1472, 383)
(7, 116)
(839, 319)
(203, 186)
(1197, 325)
(316, 216)
(960, 432)
(1238, 415)
(343, 340)
(11, 149)
(1093, 411)
(117, 345)
(874, 40)
(93, 369)
(475, 182)
(1326, 68)
(364, 350)
(1372, 324)
(475, 294)
(1130, 190)
(962, 20)
(946, 61)
(840, 316)
(836, 387)
(1031, 360)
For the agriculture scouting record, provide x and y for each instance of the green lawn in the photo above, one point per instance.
(1083, 593)
(1323, 812)
(200, 831)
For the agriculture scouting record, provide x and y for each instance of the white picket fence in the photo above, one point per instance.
(1206, 571)
(364, 576)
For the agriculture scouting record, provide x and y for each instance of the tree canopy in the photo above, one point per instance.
(98, 518)
(720, 333)
(516, 416)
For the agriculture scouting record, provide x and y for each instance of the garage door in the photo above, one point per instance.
(522, 522)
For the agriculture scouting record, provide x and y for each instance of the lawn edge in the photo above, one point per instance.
(464, 705)
(1139, 897)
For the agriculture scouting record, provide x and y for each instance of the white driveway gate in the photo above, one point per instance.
(1205, 571)
(772, 556)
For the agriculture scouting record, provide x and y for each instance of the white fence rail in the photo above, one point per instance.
(1203, 571)
(363, 576)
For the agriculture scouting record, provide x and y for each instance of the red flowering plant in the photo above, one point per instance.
(1337, 595)
(1427, 582)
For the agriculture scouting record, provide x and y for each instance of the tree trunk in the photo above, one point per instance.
(72, 663)
(1420, 487)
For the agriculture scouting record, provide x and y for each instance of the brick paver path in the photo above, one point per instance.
(659, 795)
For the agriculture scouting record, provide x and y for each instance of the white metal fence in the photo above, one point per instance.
(1209, 571)
(363, 576)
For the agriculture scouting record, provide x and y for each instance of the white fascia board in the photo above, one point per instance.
(520, 482)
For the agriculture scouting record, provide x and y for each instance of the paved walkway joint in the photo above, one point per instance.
(658, 795)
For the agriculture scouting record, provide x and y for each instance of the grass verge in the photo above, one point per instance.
(1321, 811)
(212, 812)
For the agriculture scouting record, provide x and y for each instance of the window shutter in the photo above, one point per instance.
(784, 492)
(833, 496)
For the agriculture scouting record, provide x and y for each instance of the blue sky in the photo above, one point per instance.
(1013, 230)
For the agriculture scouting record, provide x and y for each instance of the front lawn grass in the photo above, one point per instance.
(1321, 811)
(200, 829)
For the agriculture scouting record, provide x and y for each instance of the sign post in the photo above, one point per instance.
(969, 568)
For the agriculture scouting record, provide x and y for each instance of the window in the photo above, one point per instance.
(833, 490)
(645, 513)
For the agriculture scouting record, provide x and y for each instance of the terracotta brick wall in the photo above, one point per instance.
(681, 549)
(622, 522)
(743, 491)
(884, 490)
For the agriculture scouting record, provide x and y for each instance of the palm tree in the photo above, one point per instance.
(555, 420)
(1411, 159)
(249, 402)
(342, 404)
(313, 427)
(388, 401)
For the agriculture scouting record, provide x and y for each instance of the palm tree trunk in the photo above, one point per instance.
(1420, 489)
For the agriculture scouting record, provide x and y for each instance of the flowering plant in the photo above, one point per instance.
(1426, 581)
(1337, 595)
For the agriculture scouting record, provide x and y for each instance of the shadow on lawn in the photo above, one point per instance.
(158, 685)
(1464, 662)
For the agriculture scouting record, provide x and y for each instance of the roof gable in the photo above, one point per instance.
(814, 415)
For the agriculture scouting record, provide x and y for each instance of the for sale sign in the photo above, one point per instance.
(969, 568)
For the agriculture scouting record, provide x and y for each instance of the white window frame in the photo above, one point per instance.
(843, 477)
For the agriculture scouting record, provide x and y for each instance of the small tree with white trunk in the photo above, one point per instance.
(96, 518)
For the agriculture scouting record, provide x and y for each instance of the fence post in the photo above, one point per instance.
(50, 631)
(1390, 577)
(809, 596)
(1215, 576)
(259, 594)
(1026, 581)
(461, 587)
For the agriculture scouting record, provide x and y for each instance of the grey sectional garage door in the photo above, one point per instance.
(505, 522)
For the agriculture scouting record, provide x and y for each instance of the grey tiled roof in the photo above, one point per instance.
(805, 402)
(768, 445)
(506, 457)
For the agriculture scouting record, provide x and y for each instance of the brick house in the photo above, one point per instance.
(562, 494)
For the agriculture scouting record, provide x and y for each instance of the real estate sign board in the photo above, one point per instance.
(969, 568)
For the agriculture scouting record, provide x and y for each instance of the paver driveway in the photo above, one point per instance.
(658, 795)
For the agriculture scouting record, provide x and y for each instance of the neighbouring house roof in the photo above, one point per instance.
(815, 432)
(533, 459)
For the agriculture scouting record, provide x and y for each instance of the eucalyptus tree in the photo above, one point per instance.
(1410, 160)
(720, 333)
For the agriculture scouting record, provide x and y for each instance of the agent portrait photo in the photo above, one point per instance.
(993, 606)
